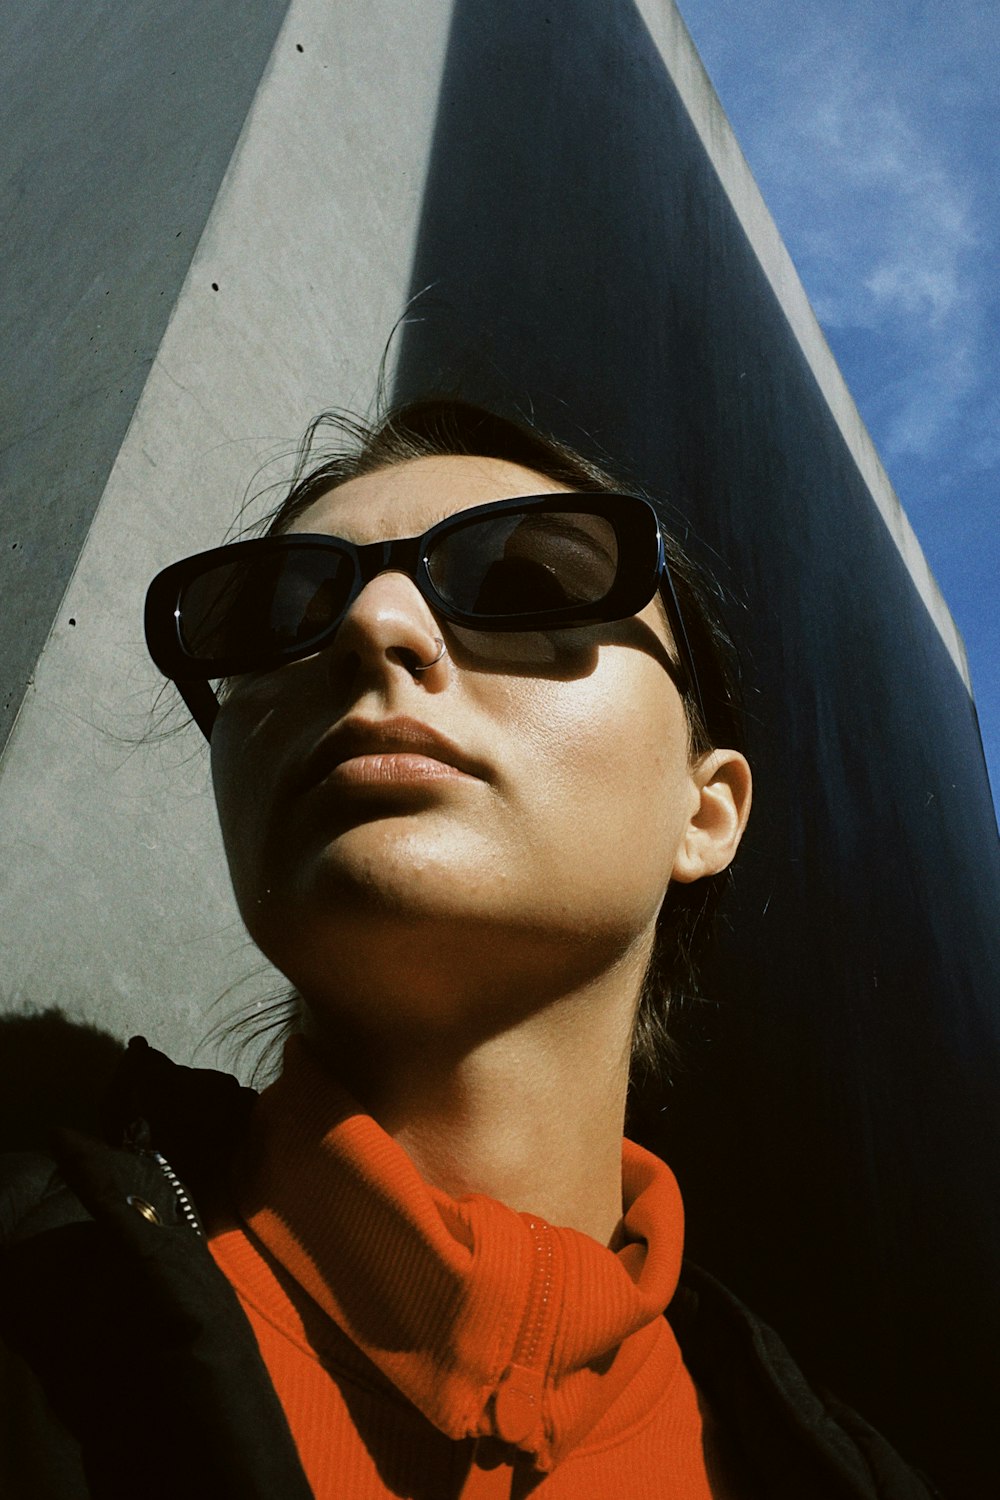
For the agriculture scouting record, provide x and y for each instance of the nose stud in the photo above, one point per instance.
(428, 664)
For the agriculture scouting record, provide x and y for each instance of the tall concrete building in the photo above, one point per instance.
(215, 212)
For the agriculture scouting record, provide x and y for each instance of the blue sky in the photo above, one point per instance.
(873, 131)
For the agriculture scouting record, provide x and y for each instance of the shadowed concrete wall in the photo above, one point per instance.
(833, 1121)
(565, 183)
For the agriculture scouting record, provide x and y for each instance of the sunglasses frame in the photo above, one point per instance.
(633, 517)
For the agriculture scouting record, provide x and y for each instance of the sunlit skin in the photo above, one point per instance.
(471, 946)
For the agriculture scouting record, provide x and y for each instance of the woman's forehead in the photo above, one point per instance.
(407, 498)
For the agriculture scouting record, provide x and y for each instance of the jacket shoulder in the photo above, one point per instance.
(796, 1438)
(116, 1325)
(38, 1455)
(34, 1196)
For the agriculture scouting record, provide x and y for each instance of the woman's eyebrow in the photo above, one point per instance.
(556, 523)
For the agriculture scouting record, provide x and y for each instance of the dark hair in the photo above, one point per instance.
(443, 426)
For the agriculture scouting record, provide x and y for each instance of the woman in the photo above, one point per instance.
(478, 796)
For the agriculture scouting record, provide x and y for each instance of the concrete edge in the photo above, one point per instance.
(670, 34)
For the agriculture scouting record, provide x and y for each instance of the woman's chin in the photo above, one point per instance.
(368, 894)
(414, 868)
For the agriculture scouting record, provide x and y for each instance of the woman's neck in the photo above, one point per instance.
(532, 1116)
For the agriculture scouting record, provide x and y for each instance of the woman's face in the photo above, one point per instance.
(397, 886)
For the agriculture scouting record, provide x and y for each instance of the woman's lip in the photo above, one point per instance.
(426, 754)
(391, 768)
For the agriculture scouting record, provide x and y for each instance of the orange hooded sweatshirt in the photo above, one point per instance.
(439, 1348)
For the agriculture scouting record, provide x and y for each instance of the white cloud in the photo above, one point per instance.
(897, 221)
(903, 280)
(926, 403)
(862, 180)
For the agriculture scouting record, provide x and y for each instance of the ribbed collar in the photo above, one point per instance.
(493, 1323)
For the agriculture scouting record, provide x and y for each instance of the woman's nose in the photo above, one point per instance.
(389, 626)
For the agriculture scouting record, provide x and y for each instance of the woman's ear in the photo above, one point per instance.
(723, 785)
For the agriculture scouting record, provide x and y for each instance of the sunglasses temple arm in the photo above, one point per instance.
(682, 642)
(201, 701)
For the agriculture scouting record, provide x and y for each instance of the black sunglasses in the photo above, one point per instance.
(540, 562)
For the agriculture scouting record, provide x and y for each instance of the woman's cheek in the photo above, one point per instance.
(603, 765)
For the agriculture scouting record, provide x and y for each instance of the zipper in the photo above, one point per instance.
(180, 1192)
(517, 1404)
(136, 1138)
(540, 1295)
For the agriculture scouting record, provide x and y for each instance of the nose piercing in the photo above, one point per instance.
(428, 664)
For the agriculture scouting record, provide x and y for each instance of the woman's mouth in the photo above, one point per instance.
(384, 752)
(391, 768)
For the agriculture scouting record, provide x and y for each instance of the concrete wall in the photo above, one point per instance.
(834, 1120)
(118, 121)
(115, 895)
(564, 182)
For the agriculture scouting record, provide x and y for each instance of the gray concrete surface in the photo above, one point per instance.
(118, 120)
(115, 896)
(561, 192)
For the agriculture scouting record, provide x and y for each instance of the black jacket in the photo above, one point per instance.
(127, 1367)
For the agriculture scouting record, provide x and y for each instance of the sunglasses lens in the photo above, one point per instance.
(526, 564)
(261, 605)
